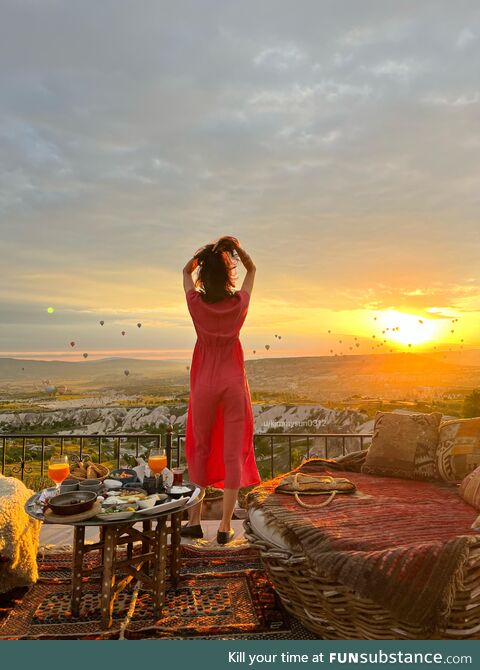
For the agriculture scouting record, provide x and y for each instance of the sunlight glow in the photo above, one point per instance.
(408, 328)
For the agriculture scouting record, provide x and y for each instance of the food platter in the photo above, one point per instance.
(162, 507)
(122, 505)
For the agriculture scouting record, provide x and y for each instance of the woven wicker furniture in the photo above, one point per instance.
(334, 610)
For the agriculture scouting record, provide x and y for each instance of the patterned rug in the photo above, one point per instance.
(223, 594)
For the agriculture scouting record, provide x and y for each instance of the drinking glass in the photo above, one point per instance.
(58, 470)
(157, 461)
(178, 476)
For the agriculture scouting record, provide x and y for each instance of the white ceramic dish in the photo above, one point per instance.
(148, 502)
(176, 490)
(113, 500)
(112, 484)
(163, 507)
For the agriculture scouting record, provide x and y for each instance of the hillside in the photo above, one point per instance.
(297, 379)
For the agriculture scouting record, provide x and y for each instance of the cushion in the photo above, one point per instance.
(458, 450)
(470, 488)
(404, 445)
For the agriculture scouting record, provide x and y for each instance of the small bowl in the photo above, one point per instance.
(90, 485)
(74, 502)
(129, 476)
(176, 495)
(68, 485)
(112, 484)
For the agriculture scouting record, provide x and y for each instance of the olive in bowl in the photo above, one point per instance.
(75, 502)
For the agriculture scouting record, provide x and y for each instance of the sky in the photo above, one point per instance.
(339, 141)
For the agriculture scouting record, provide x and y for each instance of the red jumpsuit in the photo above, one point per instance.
(219, 433)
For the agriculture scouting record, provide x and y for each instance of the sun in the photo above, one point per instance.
(407, 328)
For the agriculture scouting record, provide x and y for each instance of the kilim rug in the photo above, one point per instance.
(222, 594)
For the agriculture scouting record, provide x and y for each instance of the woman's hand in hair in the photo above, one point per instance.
(245, 258)
(226, 243)
(190, 266)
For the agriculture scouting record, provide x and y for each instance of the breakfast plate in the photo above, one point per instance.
(162, 507)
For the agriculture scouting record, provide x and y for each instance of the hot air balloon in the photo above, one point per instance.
(102, 322)
(374, 318)
(139, 325)
(72, 343)
(339, 341)
(23, 368)
(267, 347)
(85, 355)
(420, 321)
(357, 345)
(452, 331)
(279, 337)
(254, 351)
(329, 331)
(275, 336)
(126, 372)
(123, 332)
(331, 351)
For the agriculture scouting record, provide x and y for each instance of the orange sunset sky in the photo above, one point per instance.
(340, 144)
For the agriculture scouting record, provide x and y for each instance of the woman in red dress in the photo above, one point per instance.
(219, 433)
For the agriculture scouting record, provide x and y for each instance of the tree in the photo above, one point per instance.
(471, 404)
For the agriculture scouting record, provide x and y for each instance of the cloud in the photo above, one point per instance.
(280, 58)
(340, 143)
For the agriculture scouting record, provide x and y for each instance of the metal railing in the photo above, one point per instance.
(26, 455)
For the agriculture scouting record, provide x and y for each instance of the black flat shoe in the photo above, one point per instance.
(224, 537)
(192, 531)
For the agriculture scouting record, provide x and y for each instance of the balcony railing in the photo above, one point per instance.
(26, 456)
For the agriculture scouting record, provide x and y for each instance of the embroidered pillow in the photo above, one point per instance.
(458, 448)
(404, 445)
(470, 488)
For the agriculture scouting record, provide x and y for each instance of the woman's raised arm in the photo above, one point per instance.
(187, 274)
(249, 267)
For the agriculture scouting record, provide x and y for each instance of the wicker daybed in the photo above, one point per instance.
(330, 607)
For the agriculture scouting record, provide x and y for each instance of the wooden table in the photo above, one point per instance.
(148, 566)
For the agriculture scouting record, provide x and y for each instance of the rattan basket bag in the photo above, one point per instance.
(314, 485)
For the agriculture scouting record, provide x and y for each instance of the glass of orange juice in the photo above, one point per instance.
(157, 461)
(58, 469)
